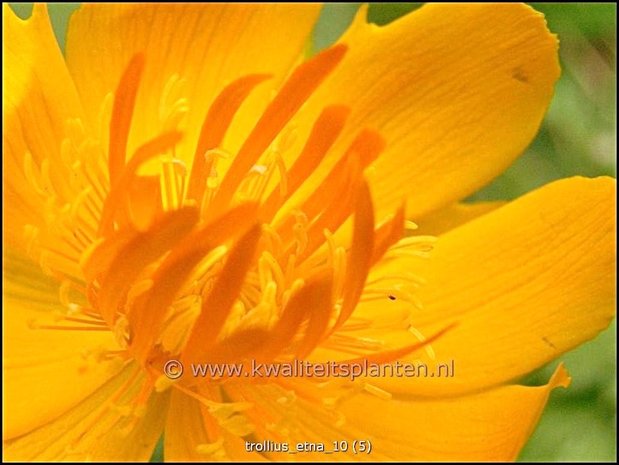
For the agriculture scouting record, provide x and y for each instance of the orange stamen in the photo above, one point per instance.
(217, 306)
(360, 255)
(122, 113)
(320, 313)
(388, 234)
(140, 251)
(335, 212)
(315, 295)
(364, 149)
(140, 206)
(150, 309)
(117, 197)
(214, 128)
(327, 128)
(238, 346)
(302, 83)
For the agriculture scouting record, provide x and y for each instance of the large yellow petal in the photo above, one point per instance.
(491, 426)
(523, 284)
(103, 427)
(39, 98)
(452, 216)
(188, 439)
(184, 430)
(46, 371)
(206, 46)
(457, 90)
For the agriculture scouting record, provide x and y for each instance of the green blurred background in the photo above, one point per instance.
(578, 137)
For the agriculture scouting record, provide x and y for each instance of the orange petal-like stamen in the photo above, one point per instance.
(120, 189)
(148, 313)
(122, 113)
(315, 295)
(335, 212)
(142, 250)
(320, 313)
(360, 255)
(238, 346)
(325, 131)
(214, 128)
(388, 234)
(140, 206)
(302, 83)
(365, 148)
(218, 304)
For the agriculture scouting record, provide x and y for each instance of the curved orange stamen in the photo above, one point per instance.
(302, 83)
(364, 149)
(360, 255)
(147, 315)
(218, 304)
(122, 113)
(214, 129)
(325, 131)
(388, 234)
(140, 251)
(120, 190)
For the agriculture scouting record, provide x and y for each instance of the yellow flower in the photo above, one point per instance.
(183, 187)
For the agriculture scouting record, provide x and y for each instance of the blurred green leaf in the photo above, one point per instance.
(333, 21)
(59, 14)
(157, 456)
(592, 19)
(384, 13)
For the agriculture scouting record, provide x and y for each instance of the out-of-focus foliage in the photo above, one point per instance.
(578, 137)
(59, 14)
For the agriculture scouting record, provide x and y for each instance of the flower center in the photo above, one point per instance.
(226, 260)
(222, 265)
(243, 281)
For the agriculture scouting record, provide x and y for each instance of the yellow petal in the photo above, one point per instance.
(488, 426)
(452, 216)
(184, 429)
(457, 90)
(191, 437)
(46, 371)
(103, 427)
(206, 46)
(491, 426)
(523, 285)
(39, 99)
